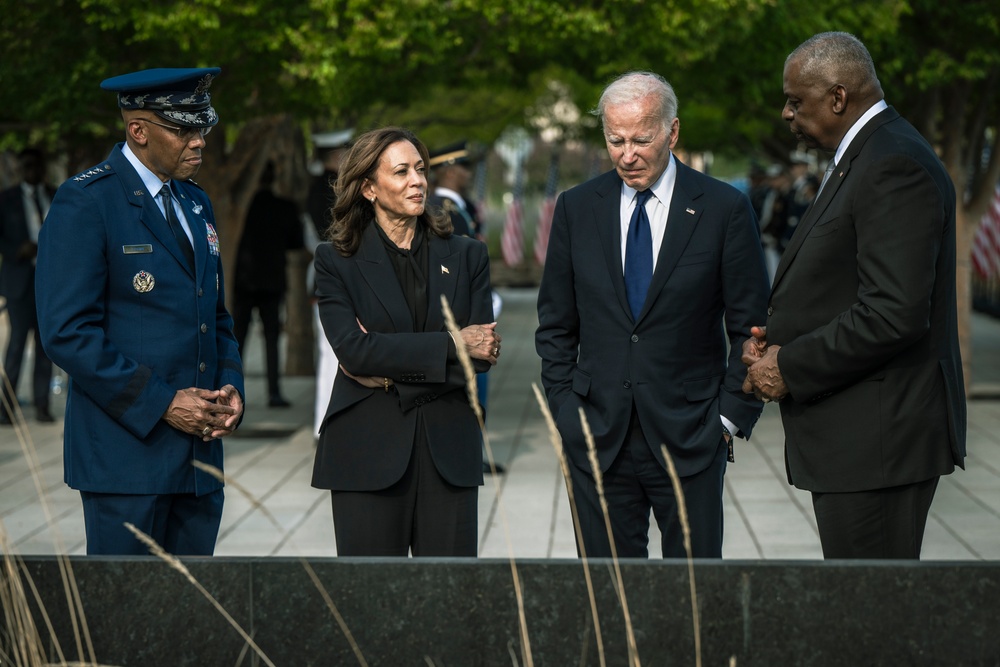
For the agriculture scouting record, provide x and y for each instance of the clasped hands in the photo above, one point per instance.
(764, 379)
(481, 342)
(207, 413)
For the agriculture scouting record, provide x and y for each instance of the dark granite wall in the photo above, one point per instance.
(464, 613)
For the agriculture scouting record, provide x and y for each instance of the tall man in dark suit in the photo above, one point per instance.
(861, 343)
(272, 229)
(22, 211)
(650, 269)
(141, 327)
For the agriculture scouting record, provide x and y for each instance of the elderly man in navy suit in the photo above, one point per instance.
(652, 270)
(22, 211)
(142, 328)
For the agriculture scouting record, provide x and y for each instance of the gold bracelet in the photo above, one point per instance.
(385, 383)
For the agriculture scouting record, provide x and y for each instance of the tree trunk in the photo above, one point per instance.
(231, 180)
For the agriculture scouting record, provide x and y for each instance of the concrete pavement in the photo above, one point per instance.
(523, 513)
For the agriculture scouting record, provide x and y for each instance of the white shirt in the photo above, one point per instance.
(657, 207)
(153, 186)
(875, 110)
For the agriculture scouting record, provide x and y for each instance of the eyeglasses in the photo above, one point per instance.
(183, 133)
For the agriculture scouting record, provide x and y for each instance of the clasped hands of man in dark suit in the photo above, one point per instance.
(481, 342)
(208, 414)
(764, 379)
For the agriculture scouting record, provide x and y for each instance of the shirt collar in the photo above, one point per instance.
(875, 109)
(149, 179)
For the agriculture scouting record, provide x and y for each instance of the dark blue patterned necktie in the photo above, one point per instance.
(175, 226)
(638, 255)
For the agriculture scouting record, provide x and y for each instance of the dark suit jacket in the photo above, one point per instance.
(864, 306)
(672, 364)
(272, 228)
(367, 436)
(16, 275)
(121, 311)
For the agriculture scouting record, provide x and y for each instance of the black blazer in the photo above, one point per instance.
(16, 275)
(708, 289)
(367, 435)
(864, 305)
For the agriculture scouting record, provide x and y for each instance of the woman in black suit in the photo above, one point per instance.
(400, 447)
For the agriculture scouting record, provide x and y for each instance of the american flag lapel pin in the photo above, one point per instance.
(444, 269)
(690, 210)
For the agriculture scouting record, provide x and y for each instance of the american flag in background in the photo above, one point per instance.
(512, 242)
(547, 210)
(986, 244)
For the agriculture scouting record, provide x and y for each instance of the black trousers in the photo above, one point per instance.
(420, 514)
(883, 523)
(268, 305)
(637, 482)
(24, 320)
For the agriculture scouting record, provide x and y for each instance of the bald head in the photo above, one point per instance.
(832, 58)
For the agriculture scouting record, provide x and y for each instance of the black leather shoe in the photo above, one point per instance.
(278, 401)
(44, 416)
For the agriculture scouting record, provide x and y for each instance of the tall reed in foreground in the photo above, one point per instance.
(557, 444)
(686, 528)
(327, 599)
(78, 620)
(176, 564)
(633, 650)
(470, 383)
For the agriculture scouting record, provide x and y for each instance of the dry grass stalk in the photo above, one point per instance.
(470, 385)
(176, 564)
(595, 465)
(26, 646)
(226, 479)
(78, 620)
(557, 444)
(686, 528)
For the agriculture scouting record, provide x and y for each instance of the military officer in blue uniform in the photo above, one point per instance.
(131, 304)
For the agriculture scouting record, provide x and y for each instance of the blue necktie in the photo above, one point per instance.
(175, 226)
(638, 255)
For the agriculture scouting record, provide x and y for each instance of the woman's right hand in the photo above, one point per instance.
(482, 341)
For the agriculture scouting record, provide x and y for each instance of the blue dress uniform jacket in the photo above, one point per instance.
(121, 311)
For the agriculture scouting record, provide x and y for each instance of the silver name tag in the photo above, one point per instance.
(141, 249)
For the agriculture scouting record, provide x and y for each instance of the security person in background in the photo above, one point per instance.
(22, 211)
(331, 148)
(451, 177)
(131, 305)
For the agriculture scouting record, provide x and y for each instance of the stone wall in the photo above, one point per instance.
(452, 613)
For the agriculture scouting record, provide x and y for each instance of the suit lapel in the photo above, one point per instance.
(375, 267)
(443, 267)
(149, 212)
(682, 218)
(607, 222)
(826, 197)
(199, 232)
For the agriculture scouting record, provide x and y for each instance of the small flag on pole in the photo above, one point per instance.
(986, 243)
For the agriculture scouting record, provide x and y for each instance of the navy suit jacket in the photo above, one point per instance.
(367, 435)
(672, 363)
(864, 306)
(121, 311)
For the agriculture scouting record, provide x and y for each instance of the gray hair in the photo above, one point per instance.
(837, 57)
(633, 86)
